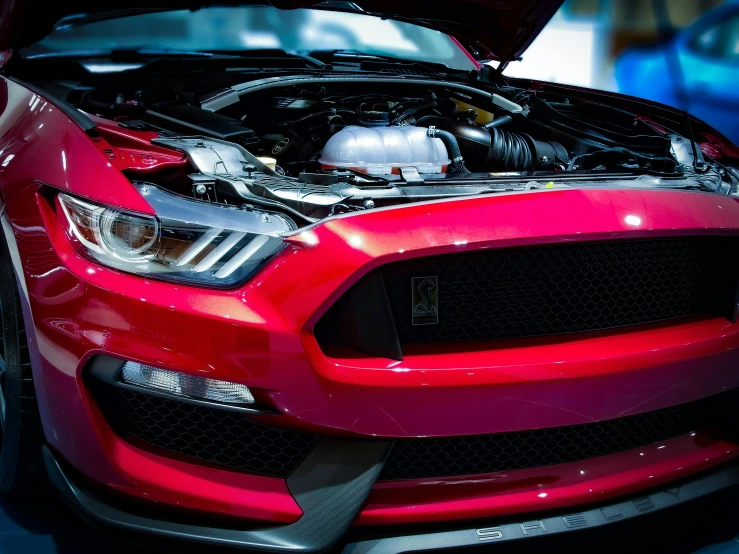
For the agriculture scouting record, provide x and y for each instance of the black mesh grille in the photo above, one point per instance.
(217, 436)
(563, 288)
(453, 456)
(234, 440)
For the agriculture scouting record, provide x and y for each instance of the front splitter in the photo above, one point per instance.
(334, 482)
(679, 493)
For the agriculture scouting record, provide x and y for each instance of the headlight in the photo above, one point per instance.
(188, 241)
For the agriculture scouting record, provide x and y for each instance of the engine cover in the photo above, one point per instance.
(383, 150)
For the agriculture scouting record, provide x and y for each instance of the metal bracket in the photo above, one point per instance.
(411, 176)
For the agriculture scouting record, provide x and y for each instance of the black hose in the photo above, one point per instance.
(498, 122)
(510, 151)
(415, 109)
(493, 149)
(457, 166)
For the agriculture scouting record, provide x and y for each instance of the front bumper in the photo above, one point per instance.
(262, 335)
(330, 509)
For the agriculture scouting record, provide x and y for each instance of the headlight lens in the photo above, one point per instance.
(188, 241)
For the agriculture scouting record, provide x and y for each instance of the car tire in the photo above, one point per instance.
(21, 463)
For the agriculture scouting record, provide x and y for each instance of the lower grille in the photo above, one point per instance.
(234, 440)
(471, 455)
(222, 437)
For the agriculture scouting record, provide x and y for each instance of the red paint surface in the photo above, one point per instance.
(50, 148)
(260, 334)
(130, 150)
(189, 486)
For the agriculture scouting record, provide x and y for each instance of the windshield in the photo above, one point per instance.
(258, 28)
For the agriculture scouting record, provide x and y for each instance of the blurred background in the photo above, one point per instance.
(679, 52)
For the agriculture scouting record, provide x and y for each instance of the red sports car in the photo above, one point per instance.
(296, 275)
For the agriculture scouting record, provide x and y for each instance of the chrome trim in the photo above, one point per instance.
(241, 256)
(198, 246)
(218, 252)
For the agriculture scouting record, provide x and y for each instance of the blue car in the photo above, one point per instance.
(696, 70)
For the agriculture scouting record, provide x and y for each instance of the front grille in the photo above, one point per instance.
(471, 455)
(211, 435)
(551, 290)
(544, 290)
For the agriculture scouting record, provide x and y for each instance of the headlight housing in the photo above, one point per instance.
(188, 241)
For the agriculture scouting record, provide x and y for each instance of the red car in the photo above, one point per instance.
(286, 277)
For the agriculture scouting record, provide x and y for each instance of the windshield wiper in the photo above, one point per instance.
(348, 55)
(273, 53)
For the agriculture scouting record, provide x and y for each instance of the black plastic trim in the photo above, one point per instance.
(605, 514)
(107, 370)
(330, 486)
(192, 120)
(362, 319)
(373, 331)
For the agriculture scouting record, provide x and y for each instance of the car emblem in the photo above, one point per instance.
(280, 146)
(425, 300)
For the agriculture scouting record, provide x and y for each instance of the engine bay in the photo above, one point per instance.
(316, 147)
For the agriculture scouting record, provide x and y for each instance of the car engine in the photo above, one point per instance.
(316, 147)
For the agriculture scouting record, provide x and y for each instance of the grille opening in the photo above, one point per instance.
(550, 290)
(212, 435)
(482, 454)
(232, 440)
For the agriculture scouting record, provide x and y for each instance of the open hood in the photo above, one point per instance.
(496, 29)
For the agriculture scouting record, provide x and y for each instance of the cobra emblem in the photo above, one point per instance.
(424, 289)
(425, 300)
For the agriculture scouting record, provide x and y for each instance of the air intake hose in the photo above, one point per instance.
(492, 149)
(510, 151)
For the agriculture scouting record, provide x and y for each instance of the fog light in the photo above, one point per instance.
(181, 384)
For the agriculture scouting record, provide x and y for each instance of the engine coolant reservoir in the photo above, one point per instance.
(383, 150)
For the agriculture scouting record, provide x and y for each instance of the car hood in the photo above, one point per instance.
(495, 29)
